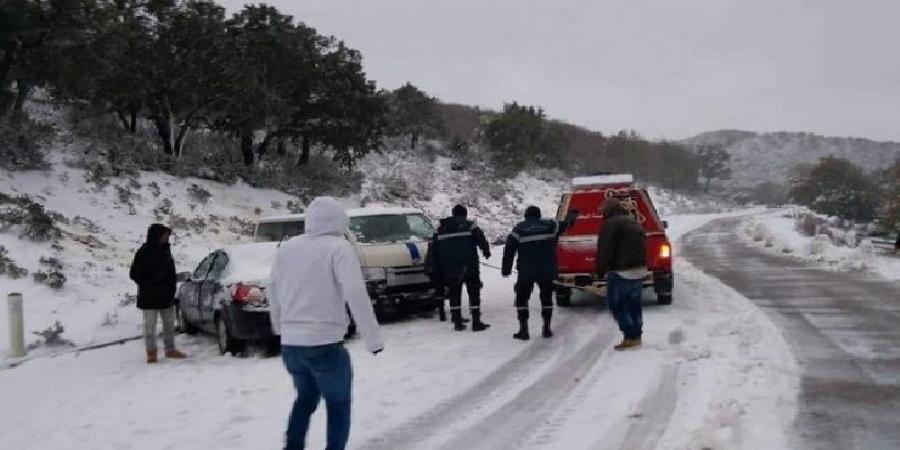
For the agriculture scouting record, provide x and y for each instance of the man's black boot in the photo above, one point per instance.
(522, 335)
(477, 324)
(456, 318)
(442, 313)
(547, 316)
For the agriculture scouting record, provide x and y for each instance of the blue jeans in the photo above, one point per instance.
(319, 371)
(624, 299)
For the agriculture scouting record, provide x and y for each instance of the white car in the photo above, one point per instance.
(391, 243)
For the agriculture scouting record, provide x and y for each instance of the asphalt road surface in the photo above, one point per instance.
(844, 329)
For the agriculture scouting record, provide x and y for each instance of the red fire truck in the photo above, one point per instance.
(577, 249)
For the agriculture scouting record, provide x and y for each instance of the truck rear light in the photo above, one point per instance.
(665, 251)
(248, 294)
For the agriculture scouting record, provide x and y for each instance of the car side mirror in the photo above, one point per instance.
(183, 276)
(665, 224)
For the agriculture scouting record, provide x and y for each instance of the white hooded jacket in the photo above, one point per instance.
(314, 276)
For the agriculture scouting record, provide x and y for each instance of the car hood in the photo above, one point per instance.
(400, 254)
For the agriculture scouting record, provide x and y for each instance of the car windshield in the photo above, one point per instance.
(390, 228)
(278, 231)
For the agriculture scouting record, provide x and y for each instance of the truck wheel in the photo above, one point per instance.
(563, 297)
(227, 342)
(664, 299)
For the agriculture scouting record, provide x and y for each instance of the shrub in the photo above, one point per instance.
(22, 142)
(199, 193)
(8, 267)
(51, 278)
(34, 222)
(51, 337)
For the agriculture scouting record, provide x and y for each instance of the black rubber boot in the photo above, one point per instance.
(522, 335)
(456, 318)
(547, 316)
(477, 324)
(442, 313)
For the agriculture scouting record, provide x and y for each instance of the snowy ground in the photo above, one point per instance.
(714, 373)
(776, 231)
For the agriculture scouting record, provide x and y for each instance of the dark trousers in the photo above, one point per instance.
(623, 296)
(321, 371)
(524, 288)
(473, 288)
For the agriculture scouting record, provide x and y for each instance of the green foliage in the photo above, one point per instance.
(21, 143)
(837, 187)
(413, 113)
(521, 136)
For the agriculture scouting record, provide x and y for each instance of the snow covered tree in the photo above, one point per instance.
(837, 187)
(413, 113)
(715, 163)
(521, 135)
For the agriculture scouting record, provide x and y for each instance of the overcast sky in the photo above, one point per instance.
(667, 68)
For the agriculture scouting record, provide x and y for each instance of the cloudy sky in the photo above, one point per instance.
(667, 68)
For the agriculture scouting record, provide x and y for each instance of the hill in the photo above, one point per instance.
(760, 157)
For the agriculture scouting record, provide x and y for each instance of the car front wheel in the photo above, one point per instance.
(227, 342)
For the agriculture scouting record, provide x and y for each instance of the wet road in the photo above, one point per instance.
(844, 329)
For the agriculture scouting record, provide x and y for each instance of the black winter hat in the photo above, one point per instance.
(532, 212)
(460, 211)
(155, 231)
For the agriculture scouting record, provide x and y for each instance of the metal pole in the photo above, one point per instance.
(16, 326)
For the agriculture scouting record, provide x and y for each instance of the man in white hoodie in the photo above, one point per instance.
(315, 277)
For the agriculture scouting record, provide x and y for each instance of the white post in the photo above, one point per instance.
(16, 326)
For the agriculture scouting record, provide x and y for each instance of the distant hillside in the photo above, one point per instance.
(758, 157)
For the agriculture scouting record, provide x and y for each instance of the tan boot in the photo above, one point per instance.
(175, 354)
(628, 343)
(151, 356)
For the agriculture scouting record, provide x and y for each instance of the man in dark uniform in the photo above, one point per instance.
(452, 261)
(535, 241)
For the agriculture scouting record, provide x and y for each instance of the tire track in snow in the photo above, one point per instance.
(656, 410)
(482, 395)
(513, 423)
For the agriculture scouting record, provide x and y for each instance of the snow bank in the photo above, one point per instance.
(777, 230)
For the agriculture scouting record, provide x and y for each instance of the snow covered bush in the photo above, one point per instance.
(21, 143)
(32, 220)
(51, 273)
(819, 244)
(8, 267)
(199, 193)
(51, 337)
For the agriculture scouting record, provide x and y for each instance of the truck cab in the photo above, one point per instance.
(391, 244)
(577, 249)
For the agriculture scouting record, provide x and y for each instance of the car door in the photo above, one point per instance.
(211, 290)
(189, 294)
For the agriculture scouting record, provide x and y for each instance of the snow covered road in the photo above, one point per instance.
(714, 372)
(841, 325)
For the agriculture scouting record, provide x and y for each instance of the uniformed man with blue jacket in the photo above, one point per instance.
(535, 242)
(452, 261)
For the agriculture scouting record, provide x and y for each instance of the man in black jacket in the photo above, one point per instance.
(452, 261)
(153, 270)
(534, 240)
(622, 257)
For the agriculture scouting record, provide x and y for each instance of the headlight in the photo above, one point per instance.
(374, 273)
(665, 251)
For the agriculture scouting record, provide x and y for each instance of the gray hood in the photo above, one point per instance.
(326, 216)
